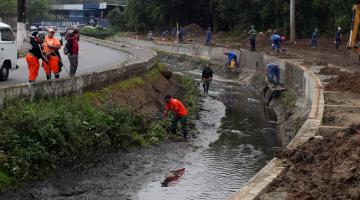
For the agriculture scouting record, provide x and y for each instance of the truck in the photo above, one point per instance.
(8, 51)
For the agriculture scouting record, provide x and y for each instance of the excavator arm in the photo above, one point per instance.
(355, 25)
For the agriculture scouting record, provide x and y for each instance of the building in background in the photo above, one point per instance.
(93, 14)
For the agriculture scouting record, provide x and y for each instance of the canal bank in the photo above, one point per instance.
(235, 139)
(297, 78)
(302, 83)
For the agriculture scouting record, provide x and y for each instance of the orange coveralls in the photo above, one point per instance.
(50, 45)
(33, 63)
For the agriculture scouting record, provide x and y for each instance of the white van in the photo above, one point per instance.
(8, 51)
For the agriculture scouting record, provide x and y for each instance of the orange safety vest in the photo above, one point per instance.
(51, 42)
(177, 107)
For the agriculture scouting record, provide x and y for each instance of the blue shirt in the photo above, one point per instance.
(338, 35)
(231, 55)
(314, 36)
(208, 34)
(275, 37)
(272, 67)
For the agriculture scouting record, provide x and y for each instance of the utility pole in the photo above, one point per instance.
(292, 21)
(21, 20)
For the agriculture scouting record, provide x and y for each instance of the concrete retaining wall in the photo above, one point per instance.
(69, 86)
(298, 79)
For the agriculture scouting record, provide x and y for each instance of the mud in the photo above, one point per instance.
(322, 169)
(236, 138)
(345, 82)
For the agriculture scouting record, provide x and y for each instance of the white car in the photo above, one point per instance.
(8, 51)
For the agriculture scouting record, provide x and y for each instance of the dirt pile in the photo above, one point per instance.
(330, 71)
(194, 30)
(345, 82)
(143, 94)
(323, 169)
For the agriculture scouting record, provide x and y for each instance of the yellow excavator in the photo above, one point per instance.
(355, 26)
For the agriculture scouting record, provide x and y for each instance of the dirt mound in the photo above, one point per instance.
(345, 82)
(330, 71)
(323, 169)
(194, 30)
(143, 94)
(221, 34)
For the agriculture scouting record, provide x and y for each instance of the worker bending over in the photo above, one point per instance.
(276, 40)
(34, 54)
(273, 70)
(50, 46)
(231, 57)
(180, 114)
(206, 78)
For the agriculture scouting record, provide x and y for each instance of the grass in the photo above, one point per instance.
(127, 84)
(36, 137)
(288, 99)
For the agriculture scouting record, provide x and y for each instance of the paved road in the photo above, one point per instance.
(91, 58)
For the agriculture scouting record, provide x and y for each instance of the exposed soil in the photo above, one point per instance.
(194, 30)
(338, 117)
(342, 98)
(345, 82)
(330, 71)
(323, 169)
(146, 98)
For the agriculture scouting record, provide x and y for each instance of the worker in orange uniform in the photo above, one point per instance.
(34, 54)
(50, 46)
(180, 114)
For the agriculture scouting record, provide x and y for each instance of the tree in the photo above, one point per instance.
(116, 18)
(36, 10)
(292, 21)
(8, 8)
(230, 15)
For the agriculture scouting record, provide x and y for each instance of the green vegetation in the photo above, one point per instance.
(36, 10)
(35, 137)
(117, 19)
(237, 16)
(97, 32)
(8, 8)
(288, 99)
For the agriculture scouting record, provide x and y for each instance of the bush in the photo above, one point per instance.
(97, 32)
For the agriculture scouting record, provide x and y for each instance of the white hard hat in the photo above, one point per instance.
(339, 28)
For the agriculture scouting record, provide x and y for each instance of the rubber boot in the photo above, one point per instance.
(48, 77)
(57, 76)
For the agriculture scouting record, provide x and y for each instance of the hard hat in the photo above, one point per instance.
(50, 30)
(339, 28)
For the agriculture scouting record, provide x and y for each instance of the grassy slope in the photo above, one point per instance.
(35, 137)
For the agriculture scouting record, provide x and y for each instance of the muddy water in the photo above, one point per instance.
(236, 138)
